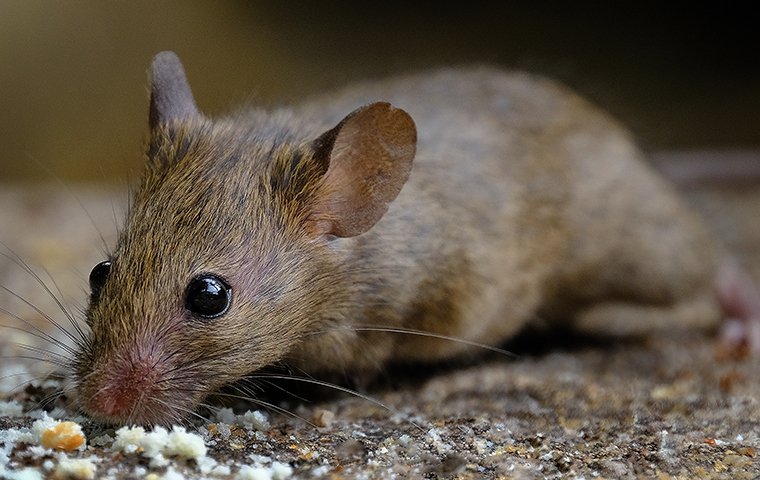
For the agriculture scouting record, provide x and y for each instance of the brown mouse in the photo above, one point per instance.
(273, 236)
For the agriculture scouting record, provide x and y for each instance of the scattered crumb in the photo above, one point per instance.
(159, 443)
(128, 439)
(250, 419)
(65, 436)
(78, 468)
(255, 419)
(24, 474)
(278, 471)
(184, 444)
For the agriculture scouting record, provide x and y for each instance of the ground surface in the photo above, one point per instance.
(659, 408)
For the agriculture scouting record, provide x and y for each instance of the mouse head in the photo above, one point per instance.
(234, 248)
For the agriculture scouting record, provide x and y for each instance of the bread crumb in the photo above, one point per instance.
(160, 443)
(128, 439)
(66, 436)
(248, 472)
(25, 474)
(79, 468)
(281, 471)
(255, 419)
(184, 444)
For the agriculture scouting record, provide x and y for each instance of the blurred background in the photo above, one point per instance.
(73, 83)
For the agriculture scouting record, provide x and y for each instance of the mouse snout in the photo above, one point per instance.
(121, 391)
(127, 390)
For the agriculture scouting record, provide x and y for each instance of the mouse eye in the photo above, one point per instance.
(98, 277)
(208, 296)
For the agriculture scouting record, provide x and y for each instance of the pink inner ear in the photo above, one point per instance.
(370, 160)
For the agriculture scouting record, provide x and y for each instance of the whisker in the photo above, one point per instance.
(423, 333)
(38, 334)
(60, 357)
(43, 314)
(28, 382)
(57, 363)
(265, 404)
(339, 388)
(69, 315)
(286, 391)
(47, 400)
(175, 408)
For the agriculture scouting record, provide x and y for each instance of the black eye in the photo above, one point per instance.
(208, 296)
(98, 277)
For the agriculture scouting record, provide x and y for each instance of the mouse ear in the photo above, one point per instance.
(170, 96)
(369, 157)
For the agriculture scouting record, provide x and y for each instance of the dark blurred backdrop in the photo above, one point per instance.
(73, 94)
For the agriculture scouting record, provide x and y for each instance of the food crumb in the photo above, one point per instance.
(278, 471)
(79, 468)
(255, 419)
(25, 474)
(128, 439)
(184, 444)
(66, 436)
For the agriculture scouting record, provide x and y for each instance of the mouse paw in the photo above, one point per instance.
(739, 299)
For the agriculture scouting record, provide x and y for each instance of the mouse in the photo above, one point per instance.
(464, 203)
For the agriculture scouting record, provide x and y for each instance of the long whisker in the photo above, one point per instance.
(57, 363)
(410, 331)
(16, 259)
(37, 334)
(43, 314)
(265, 404)
(171, 407)
(335, 387)
(285, 390)
(69, 315)
(59, 357)
(31, 378)
(47, 399)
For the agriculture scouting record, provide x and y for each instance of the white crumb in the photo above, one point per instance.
(154, 443)
(172, 474)
(255, 419)
(206, 464)
(78, 468)
(42, 424)
(25, 474)
(248, 472)
(128, 439)
(184, 444)
(281, 471)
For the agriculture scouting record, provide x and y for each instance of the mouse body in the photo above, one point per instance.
(462, 202)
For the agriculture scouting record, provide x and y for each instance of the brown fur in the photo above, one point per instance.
(524, 201)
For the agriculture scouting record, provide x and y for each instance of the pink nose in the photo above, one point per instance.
(117, 394)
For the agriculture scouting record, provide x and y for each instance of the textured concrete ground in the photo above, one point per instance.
(564, 407)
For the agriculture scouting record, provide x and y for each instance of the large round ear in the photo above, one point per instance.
(369, 158)
(171, 99)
